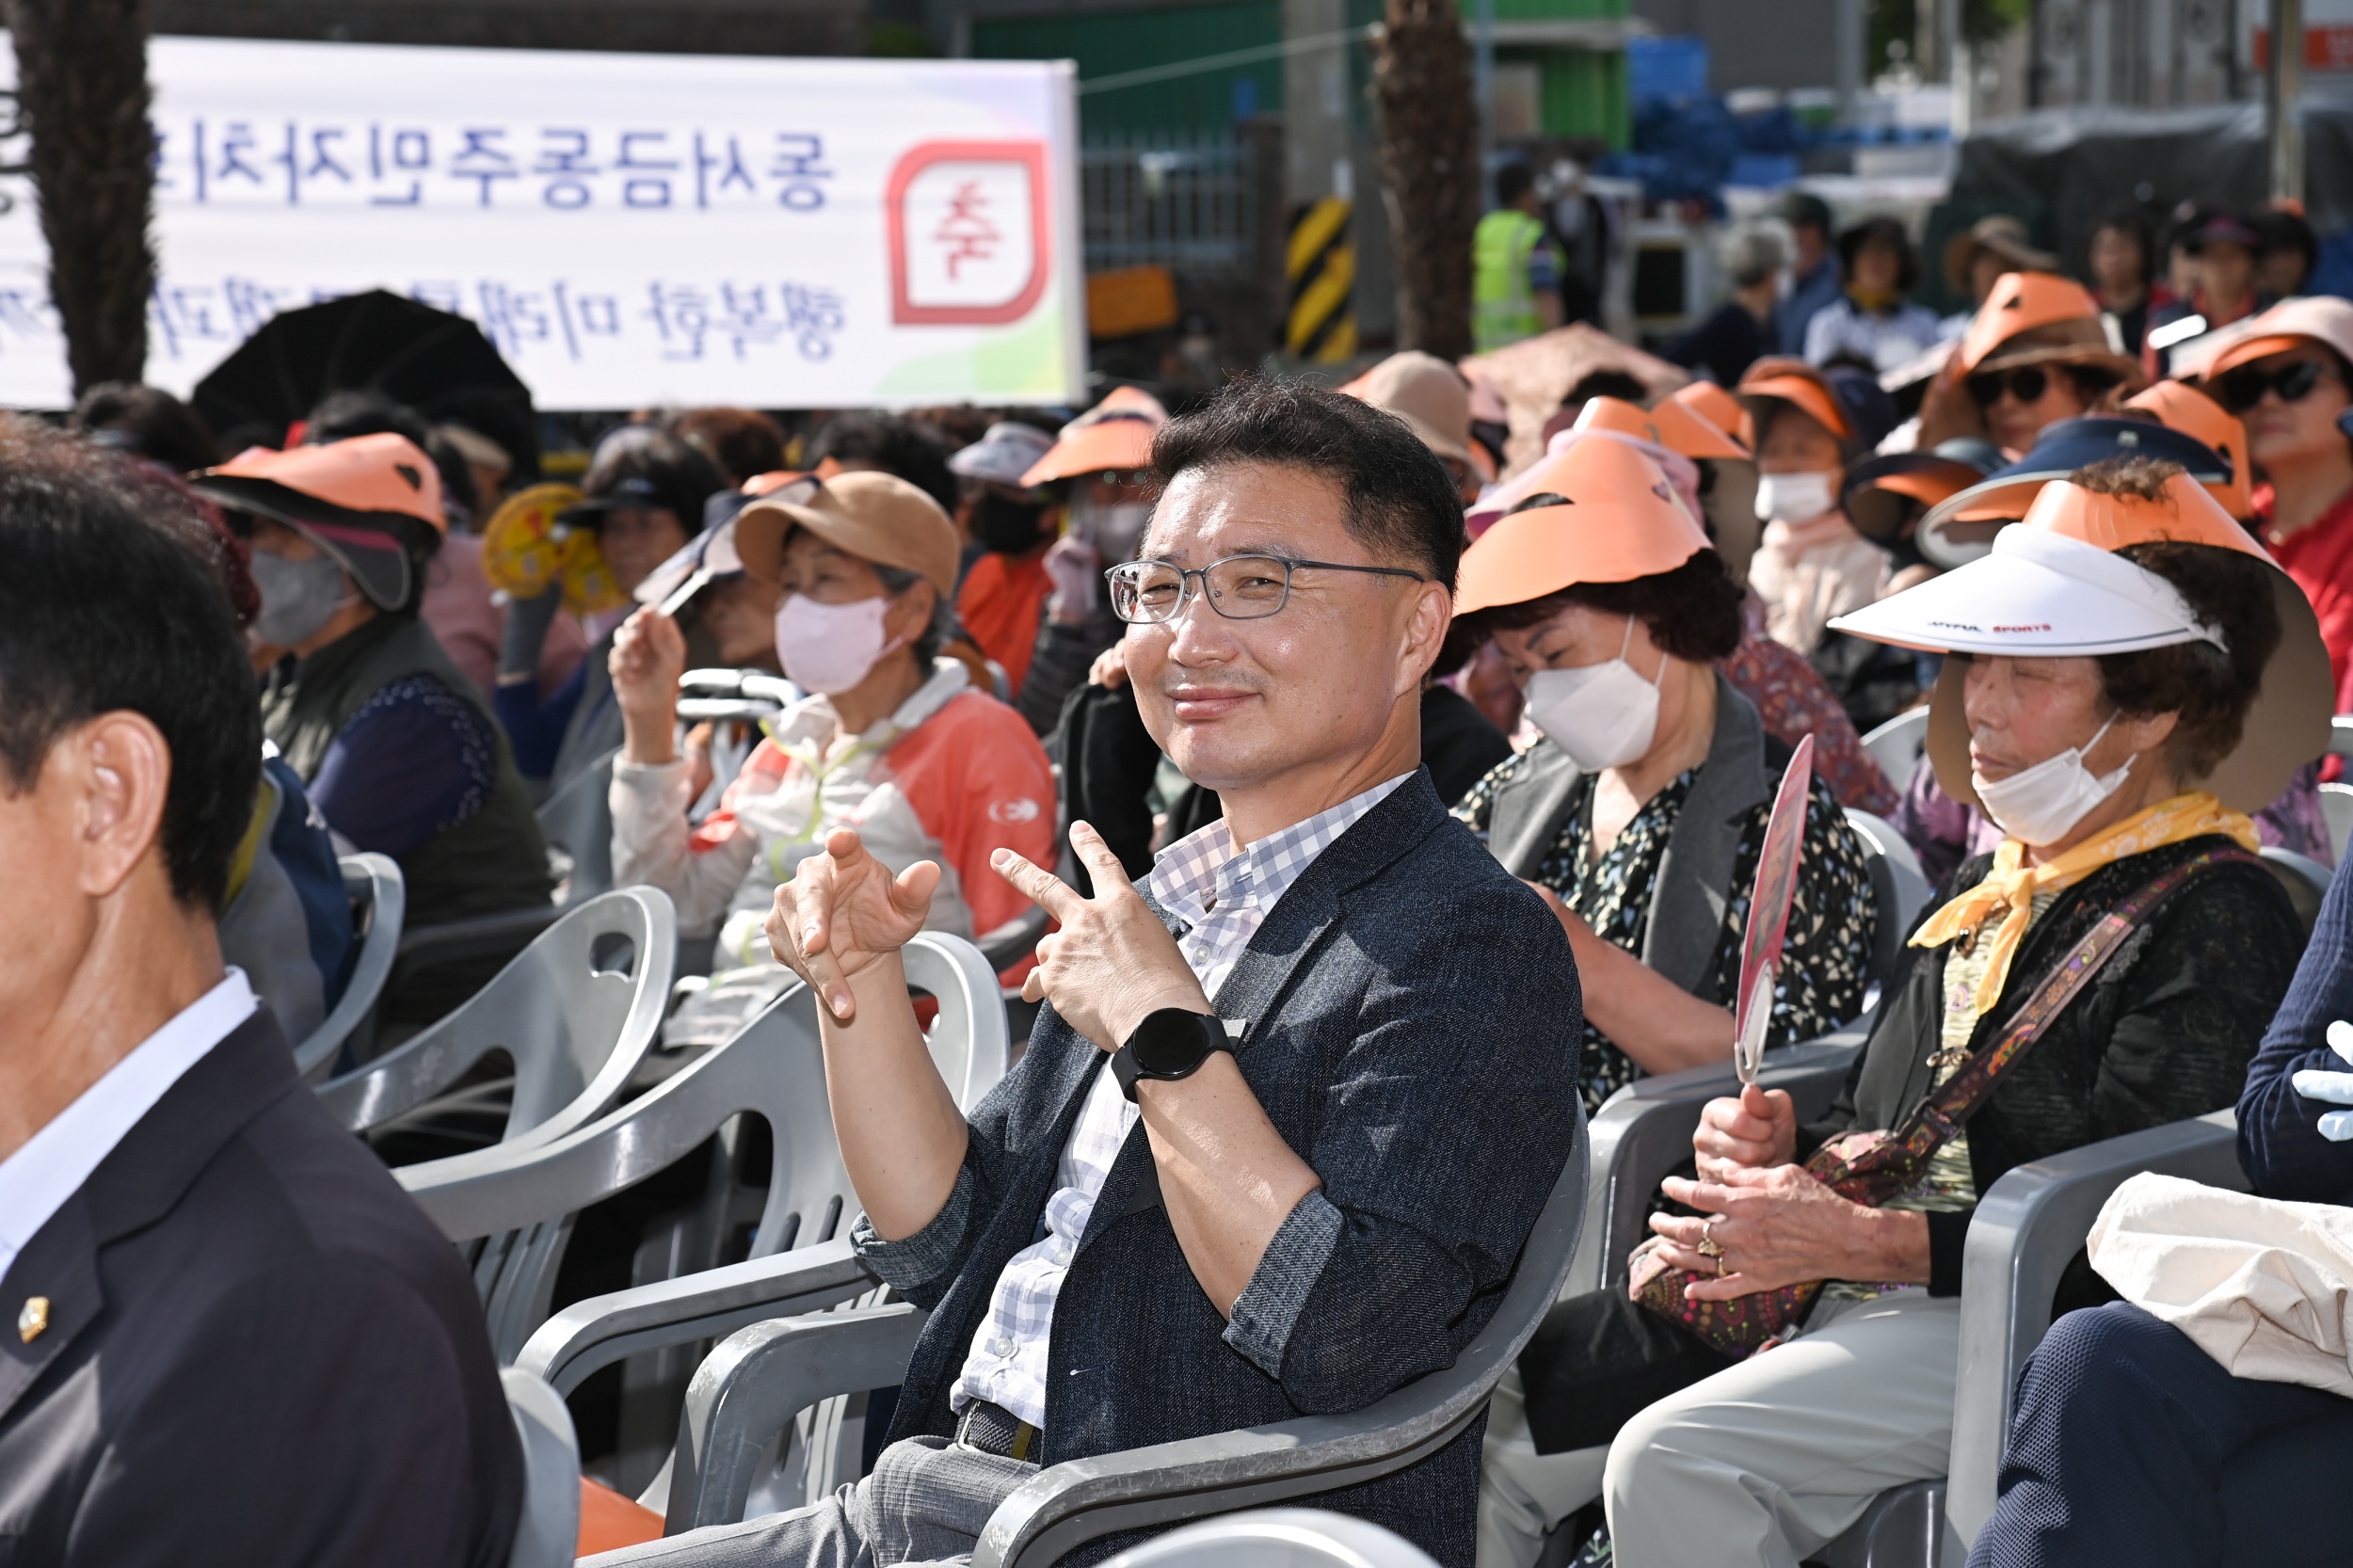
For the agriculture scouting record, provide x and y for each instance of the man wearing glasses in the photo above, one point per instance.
(2286, 378)
(1295, 1101)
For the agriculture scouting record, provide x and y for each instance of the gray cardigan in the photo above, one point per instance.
(1693, 890)
(1413, 1027)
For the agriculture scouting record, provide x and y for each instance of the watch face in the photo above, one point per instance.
(1171, 1042)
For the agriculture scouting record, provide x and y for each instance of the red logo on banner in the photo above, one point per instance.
(971, 241)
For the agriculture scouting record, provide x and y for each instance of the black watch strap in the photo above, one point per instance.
(1170, 1043)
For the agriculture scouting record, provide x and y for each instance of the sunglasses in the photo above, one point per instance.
(2242, 389)
(2026, 383)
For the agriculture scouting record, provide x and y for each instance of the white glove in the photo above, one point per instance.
(2331, 1088)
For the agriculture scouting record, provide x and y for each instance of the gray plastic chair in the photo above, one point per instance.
(548, 1534)
(1278, 1538)
(1896, 744)
(524, 1198)
(2304, 879)
(380, 899)
(1898, 884)
(753, 1386)
(576, 823)
(575, 1012)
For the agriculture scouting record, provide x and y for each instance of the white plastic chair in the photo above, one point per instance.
(520, 1199)
(1278, 1538)
(576, 823)
(548, 1533)
(1896, 744)
(575, 1012)
(380, 899)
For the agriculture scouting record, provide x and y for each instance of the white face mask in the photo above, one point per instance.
(1603, 715)
(1793, 497)
(1114, 531)
(2038, 805)
(830, 648)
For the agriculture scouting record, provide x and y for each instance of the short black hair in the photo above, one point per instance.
(111, 602)
(1890, 232)
(2210, 690)
(1400, 504)
(1514, 181)
(682, 478)
(148, 421)
(894, 444)
(1619, 384)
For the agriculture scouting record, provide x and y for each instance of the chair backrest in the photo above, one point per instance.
(524, 1196)
(576, 1011)
(1896, 885)
(1278, 1538)
(2336, 810)
(2305, 879)
(548, 1533)
(576, 823)
(2341, 736)
(1063, 1506)
(379, 902)
(1896, 744)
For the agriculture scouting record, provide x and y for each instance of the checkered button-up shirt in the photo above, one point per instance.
(1221, 896)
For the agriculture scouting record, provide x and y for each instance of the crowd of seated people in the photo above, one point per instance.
(1331, 967)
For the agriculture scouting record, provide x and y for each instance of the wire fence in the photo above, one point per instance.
(1170, 202)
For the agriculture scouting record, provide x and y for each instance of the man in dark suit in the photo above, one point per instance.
(225, 1336)
(1294, 1104)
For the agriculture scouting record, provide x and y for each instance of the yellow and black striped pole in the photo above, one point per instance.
(1322, 325)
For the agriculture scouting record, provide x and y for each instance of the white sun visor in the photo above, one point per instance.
(2037, 594)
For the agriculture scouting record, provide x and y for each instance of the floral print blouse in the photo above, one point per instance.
(1826, 956)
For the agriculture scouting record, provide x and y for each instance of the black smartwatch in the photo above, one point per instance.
(1169, 1044)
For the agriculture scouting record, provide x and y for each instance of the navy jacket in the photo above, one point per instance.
(259, 1352)
(1412, 1024)
(2280, 1146)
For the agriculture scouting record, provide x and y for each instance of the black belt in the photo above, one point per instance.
(994, 1430)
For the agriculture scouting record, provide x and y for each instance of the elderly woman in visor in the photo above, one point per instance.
(2126, 673)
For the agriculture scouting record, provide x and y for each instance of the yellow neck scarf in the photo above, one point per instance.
(2011, 885)
(1877, 301)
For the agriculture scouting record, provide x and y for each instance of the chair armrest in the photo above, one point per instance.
(548, 1533)
(1644, 1130)
(759, 1379)
(508, 932)
(2025, 1232)
(593, 1334)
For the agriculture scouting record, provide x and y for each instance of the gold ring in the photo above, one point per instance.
(1709, 1247)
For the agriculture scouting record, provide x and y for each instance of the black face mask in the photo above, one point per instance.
(1007, 526)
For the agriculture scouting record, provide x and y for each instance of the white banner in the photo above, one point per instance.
(629, 230)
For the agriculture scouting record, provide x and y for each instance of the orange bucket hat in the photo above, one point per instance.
(1116, 434)
(1617, 519)
(2313, 318)
(2040, 318)
(373, 503)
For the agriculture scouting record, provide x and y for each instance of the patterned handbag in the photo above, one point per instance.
(1895, 1165)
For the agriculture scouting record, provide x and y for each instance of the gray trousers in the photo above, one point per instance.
(926, 1502)
(1758, 1467)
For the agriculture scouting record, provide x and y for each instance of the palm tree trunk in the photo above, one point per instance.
(82, 90)
(1429, 170)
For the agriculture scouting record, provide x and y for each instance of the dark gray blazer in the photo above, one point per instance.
(259, 1352)
(1413, 1027)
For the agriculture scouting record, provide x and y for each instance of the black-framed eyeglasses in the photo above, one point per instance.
(2241, 389)
(1240, 587)
(2026, 383)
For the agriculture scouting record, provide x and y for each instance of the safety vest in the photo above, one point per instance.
(1503, 304)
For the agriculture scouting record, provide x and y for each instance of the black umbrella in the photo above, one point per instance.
(436, 362)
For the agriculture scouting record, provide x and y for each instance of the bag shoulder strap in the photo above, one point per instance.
(1961, 1095)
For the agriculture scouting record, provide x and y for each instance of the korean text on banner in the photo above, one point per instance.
(628, 229)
